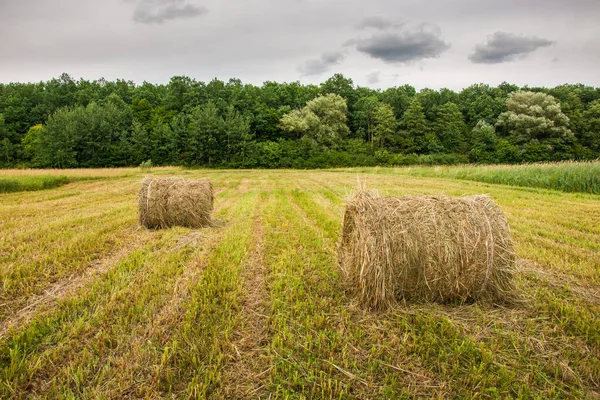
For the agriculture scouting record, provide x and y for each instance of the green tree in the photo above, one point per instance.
(163, 144)
(322, 120)
(450, 128)
(58, 140)
(7, 152)
(399, 98)
(31, 142)
(178, 138)
(571, 104)
(142, 110)
(140, 144)
(590, 134)
(414, 127)
(16, 115)
(385, 125)
(204, 131)
(482, 102)
(177, 90)
(265, 122)
(342, 86)
(363, 117)
(485, 143)
(535, 124)
(269, 154)
(6, 146)
(237, 136)
(432, 144)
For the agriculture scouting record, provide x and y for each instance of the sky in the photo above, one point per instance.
(377, 43)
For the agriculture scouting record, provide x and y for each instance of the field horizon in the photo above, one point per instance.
(94, 306)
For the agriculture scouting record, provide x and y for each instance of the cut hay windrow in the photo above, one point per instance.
(166, 202)
(439, 249)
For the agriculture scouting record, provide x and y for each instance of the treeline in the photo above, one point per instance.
(66, 123)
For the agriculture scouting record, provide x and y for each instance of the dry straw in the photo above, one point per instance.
(166, 202)
(439, 249)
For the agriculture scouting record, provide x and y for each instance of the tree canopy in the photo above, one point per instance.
(535, 123)
(68, 123)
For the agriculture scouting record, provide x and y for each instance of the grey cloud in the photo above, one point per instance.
(323, 64)
(505, 47)
(377, 23)
(403, 45)
(373, 78)
(159, 11)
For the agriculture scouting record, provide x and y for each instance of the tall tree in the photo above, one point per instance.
(323, 120)
(31, 143)
(58, 140)
(342, 86)
(385, 126)
(414, 127)
(140, 143)
(590, 133)
(7, 149)
(399, 98)
(485, 143)
(177, 90)
(205, 130)
(236, 129)
(363, 117)
(164, 144)
(450, 128)
(535, 124)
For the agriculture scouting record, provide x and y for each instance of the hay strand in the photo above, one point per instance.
(438, 249)
(166, 202)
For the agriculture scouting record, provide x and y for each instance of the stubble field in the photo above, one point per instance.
(93, 306)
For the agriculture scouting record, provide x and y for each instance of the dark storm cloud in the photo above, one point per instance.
(505, 47)
(159, 11)
(323, 64)
(403, 45)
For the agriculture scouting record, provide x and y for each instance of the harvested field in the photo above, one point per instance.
(93, 306)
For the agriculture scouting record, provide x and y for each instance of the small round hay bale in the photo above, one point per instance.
(166, 202)
(438, 249)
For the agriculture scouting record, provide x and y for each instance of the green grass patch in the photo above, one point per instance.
(31, 183)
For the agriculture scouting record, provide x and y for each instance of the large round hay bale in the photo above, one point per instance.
(438, 249)
(166, 202)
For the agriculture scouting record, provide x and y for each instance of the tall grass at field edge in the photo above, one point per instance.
(582, 177)
(31, 183)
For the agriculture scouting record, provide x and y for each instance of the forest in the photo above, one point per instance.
(68, 123)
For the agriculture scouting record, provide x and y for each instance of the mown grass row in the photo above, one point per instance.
(581, 177)
(43, 247)
(28, 351)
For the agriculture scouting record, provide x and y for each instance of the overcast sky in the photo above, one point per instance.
(377, 43)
